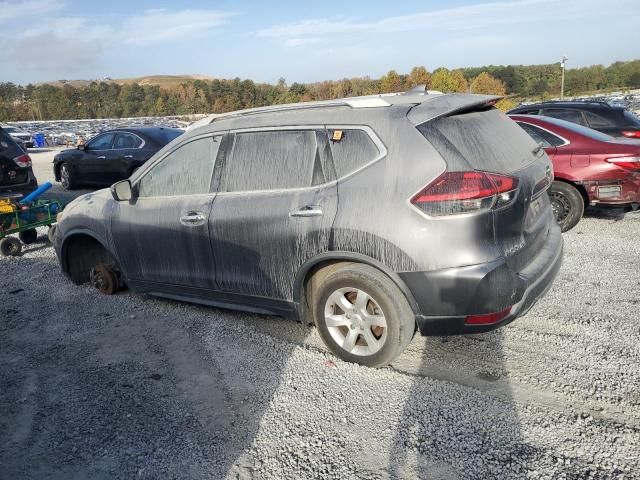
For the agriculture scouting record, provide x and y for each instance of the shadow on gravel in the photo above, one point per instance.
(460, 419)
(125, 386)
(609, 213)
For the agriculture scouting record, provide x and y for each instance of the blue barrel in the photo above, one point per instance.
(39, 140)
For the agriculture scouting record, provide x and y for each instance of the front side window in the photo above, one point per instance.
(101, 142)
(540, 136)
(351, 149)
(127, 140)
(272, 160)
(573, 116)
(185, 171)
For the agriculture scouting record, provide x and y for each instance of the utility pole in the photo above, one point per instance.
(562, 65)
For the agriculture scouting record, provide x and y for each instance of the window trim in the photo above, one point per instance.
(121, 132)
(135, 185)
(566, 141)
(313, 128)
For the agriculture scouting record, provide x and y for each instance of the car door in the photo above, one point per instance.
(162, 236)
(91, 167)
(274, 210)
(128, 154)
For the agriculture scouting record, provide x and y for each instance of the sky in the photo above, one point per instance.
(303, 41)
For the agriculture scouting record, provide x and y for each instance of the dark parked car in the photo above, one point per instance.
(22, 137)
(16, 174)
(612, 120)
(590, 168)
(110, 156)
(370, 217)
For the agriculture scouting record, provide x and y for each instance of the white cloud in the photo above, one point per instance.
(477, 16)
(159, 25)
(24, 10)
(297, 42)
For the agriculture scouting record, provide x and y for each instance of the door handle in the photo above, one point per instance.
(307, 212)
(101, 157)
(193, 219)
(128, 156)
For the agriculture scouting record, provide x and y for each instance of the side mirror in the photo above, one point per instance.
(122, 191)
(82, 146)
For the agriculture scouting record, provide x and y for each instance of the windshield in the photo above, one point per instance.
(10, 129)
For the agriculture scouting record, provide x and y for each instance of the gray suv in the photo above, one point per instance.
(369, 217)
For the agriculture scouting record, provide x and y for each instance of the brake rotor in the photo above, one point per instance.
(104, 279)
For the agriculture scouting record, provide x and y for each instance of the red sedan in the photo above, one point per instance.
(590, 167)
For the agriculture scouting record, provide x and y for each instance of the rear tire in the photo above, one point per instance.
(67, 178)
(567, 204)
(361, 315)
(10, 247)
(28, 236)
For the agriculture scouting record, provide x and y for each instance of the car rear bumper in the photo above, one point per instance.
(447, 297)
(20, 188)
(614, 192)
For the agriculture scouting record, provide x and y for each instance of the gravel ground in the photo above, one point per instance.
(130, 386)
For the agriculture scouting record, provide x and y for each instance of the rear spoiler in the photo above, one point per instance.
(445, 105)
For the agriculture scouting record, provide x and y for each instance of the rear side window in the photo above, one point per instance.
(185, 171)
(486, 140)
(597, 121)
(127, 140)
(546, 139)
(272, 160)
(573, 116)
(351, 149)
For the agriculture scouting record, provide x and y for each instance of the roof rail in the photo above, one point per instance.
(412, 96)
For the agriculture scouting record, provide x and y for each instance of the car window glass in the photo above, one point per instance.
(567, 114)
(185, 171)
(272, 160)
(546, 139)
(101, 142)
(631, 118)
(597, 121)
(351, 149)
(127, 140)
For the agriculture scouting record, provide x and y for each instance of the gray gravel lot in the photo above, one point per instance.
(130, 386)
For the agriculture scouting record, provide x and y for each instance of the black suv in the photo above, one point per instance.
(370, 217)
(601, 116)
(16, 175)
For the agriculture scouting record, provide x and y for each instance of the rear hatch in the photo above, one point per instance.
(10, 172)
(480, 137)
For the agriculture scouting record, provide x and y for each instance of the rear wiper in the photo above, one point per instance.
(536, 150)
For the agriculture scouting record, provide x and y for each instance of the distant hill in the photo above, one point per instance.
(164, 81)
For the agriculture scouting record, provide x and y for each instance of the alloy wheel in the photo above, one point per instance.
(355, 321)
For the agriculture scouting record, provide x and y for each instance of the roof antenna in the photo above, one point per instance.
(418, 89)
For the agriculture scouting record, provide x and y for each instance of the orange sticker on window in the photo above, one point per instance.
(337, 135)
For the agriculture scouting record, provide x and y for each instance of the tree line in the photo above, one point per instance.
(111, 99)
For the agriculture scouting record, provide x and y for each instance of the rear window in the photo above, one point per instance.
(8, 147)
(165, 135)
(488, 140)
(631, 119)
(541, 136)
(579, 129)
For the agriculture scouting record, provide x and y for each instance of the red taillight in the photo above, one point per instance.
(631, 133)
(464, 192)
(630, 163)
(488, 319)
(23, 161)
